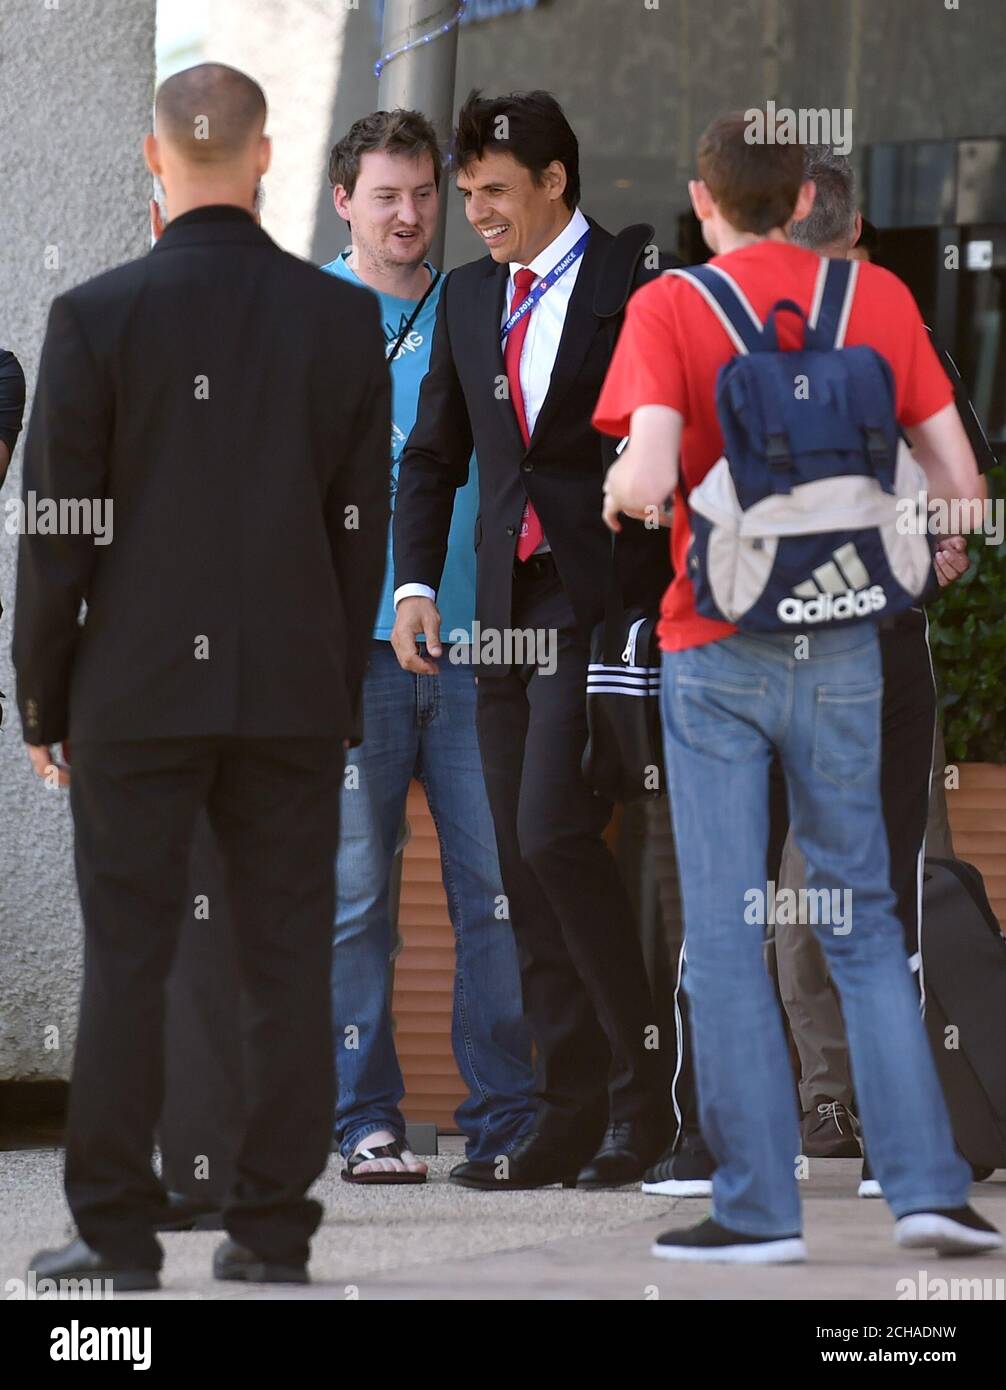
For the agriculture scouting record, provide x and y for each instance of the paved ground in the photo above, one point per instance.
(440, 1242)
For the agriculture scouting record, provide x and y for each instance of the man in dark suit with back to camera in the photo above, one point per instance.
(518, 358)
(230, 404)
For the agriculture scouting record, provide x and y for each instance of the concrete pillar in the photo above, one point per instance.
(293, 49)
(76, 89)
(421, 79)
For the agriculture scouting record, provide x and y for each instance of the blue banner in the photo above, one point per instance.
(491, 9)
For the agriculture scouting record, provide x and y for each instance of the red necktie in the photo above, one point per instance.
(531, 532)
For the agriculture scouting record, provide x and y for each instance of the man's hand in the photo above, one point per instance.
(951, 559)
(44, 764)
(414, 616)
(653, 514)
(645, 473)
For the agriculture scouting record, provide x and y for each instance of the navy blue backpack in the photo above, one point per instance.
(814, 515)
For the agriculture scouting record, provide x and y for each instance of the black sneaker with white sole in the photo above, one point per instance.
(685, 1171)
(868, 1184)
(948, 1231)
(711, 1243)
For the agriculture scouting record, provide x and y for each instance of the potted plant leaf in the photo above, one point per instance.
(968, 640)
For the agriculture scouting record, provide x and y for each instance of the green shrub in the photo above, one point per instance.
(968, 639)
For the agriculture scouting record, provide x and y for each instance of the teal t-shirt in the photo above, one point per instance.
(456, 594)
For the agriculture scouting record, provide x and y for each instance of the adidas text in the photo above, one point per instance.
(826, 608)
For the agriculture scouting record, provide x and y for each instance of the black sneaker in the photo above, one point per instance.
(948, 1231)
(710, 1243)
(828, 1130)
(684, 1171)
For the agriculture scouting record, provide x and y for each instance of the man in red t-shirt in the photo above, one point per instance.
(730, 701)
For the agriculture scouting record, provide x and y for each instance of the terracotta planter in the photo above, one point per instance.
(977, 810)
(424, 978)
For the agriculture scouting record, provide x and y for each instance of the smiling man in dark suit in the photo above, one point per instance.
(231, 404)
(518, 358)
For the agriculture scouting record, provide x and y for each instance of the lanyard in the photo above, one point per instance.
(545, 283)
(390, 356)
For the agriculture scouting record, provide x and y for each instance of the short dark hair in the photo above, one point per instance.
(833, 216)
(231, 103)
(401, 132)
(529, 125)
(755, 184)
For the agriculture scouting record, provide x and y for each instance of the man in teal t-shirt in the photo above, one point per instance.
(409, 335)
(385, 176)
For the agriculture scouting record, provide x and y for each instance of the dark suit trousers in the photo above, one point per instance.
(584, 981)
(202, 1119)
(273, 805)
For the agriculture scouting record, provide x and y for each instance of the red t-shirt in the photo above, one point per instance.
(672, 347)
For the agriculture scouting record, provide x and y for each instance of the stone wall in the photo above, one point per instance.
(76, 87)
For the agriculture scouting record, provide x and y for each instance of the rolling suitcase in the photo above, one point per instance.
(964, 978)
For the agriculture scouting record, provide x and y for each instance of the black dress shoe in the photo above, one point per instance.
(187, 1213)
(532, 1162)
(233, 1261)
(469, 1174)
(78, 1261)
(626, 1152)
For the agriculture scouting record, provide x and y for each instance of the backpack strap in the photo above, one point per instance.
(728, 302)
(832, 303)
(826, 328)
(829, 311)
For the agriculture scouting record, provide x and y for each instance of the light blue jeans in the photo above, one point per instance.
(424, 726)
(724, 707)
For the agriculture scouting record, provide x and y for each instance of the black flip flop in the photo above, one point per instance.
(393, 1150)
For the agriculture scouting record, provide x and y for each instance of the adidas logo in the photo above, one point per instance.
(840, 588)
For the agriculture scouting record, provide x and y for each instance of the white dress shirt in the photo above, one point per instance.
(541, 344)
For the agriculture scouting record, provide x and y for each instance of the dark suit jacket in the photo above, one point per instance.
(233, 403)
(561, 470)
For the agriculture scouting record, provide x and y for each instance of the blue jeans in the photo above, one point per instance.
(724, 707)
(424, 726)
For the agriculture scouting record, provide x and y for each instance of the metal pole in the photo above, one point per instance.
(423, 78)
